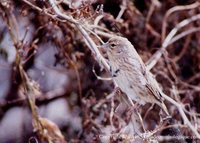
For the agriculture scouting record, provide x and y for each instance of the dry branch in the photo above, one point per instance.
(154, 59)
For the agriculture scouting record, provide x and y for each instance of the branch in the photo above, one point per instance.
(184, 117)
(154, 59)
(172, 10)
(80, 27)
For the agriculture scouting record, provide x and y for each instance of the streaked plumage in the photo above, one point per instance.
(130, 74)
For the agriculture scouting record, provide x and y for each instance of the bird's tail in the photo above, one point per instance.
(163, 106)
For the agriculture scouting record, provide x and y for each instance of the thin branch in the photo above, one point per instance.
(123, 7)
(154, 59)
(89, 41)
(58, 13)
(101, 78)
(174, 9)
(154, 3)
(104, 34)
(112, 113)
(93, 47)
(97, 19)
(183, 34)
(184, 49)
(182, 113)
(42, 11)
(101, 59)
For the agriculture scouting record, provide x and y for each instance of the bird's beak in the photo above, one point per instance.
(105, 45)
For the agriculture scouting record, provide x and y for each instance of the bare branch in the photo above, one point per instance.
(123, 7)
(174, 9)
(154, 59)
(90, 42)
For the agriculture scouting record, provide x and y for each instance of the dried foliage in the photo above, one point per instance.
(52, 73)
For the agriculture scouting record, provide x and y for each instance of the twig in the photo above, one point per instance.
(57, 11)
(42, 11)
(89, 41)
(112, 113)
(97, 19)
(123, 7)
(182, 113)
(104, 34)
(183, 50)
(181, 110)
(172, 10)
(193, 78)
(93, 48)
(154, 3)
(154, 59)
(101, 59)
(100, 78)
(196, 88)
(183, 34)
(169, 68)
(95, 35)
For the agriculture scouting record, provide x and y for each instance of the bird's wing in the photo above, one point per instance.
(154, 92)
(138, 69)
(152, 86)
(147, 79)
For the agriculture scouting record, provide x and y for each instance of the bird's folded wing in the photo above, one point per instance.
(154, 92)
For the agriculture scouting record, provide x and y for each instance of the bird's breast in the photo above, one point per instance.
(129, 78)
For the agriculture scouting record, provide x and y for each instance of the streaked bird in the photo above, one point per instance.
(130, 73)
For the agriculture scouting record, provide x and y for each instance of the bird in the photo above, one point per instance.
(130, 73)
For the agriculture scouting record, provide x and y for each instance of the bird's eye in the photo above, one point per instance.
(112, 44)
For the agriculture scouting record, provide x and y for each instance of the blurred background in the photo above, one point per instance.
(59, 64)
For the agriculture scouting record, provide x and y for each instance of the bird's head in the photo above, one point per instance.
(117, 46)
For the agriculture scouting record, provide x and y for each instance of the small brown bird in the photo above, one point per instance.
(130, 74)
